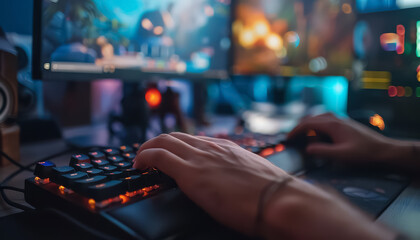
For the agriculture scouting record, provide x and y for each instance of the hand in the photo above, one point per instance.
(218, 175)
(227, 181)
(351, 141)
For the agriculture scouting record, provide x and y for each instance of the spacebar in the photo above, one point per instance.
(168, 214)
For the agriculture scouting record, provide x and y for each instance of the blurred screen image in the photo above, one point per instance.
(293, 37)
(166, 36)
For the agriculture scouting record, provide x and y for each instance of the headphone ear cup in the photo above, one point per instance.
(6, 101)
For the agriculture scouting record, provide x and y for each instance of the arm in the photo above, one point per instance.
(355, 143)
(228, 181)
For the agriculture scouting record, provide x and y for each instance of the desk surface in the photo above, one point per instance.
(403, 214)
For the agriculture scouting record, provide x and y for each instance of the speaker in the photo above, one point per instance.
(9, 130)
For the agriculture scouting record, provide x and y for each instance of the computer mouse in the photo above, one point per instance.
(302, 141)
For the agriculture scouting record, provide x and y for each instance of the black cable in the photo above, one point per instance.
(12, 189)
(79, 224)
(14, 162)
(17, 172)
(14, 204)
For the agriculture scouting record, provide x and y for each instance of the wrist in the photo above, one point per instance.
(302, 211)
(403, 154)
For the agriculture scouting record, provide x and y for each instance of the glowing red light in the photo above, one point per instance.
(401, 91)
(280, 148)
(267, 152)
(392, 91)
(153, 97)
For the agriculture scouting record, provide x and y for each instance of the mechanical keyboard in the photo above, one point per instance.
(101, 189)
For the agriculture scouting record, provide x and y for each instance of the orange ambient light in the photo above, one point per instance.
(280, 148)
(267, 152)
(377, 121)
(124, 199)
(153, 97)
(311, 133)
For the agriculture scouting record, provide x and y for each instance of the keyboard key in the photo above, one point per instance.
(129, 156)
(67, 179)
(126, 149)
(136, 146)
(109, 168)
(111, 152)
(82, 185)
(94, 172)
(44, 169)
(115, 159)
(78, 159)
(63, 170)
(97, 155)
(134, 183)
(99, 163)
(83, 167)
(116, 175)
(105, 190)
(123, 165)
(131, 172)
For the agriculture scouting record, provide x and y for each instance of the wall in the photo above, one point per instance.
(16, 16)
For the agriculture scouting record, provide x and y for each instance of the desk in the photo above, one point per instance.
(403, 214)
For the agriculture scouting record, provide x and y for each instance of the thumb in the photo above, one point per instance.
(325, 150)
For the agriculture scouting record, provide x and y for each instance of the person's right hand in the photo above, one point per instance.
(351, 141)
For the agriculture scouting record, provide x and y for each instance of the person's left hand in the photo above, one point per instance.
(218, 175)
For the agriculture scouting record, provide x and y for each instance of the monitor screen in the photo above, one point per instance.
(366, 6)
(293, 37)
(386, 76)
(85, 39)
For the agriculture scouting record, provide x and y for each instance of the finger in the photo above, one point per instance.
(191, 140)
(162, 159)
(325, 150)
(221, 142)
(316, 124)
(171, 144)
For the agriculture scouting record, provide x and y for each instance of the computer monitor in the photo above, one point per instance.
(293, 37)
(386, 82)
(127, 39)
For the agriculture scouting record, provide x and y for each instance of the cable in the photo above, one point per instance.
(13, 204)
(79, 224)
(12, 189)
(14, 162)
(17, 172)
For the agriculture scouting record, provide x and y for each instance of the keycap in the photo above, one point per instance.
(96, 155)
(44, 169)
(83, 184)
(94, 172)
(83, 167)
(105, 190)
(123, 165)
(129, 156)
(115, 175)
(78, 159)
(126, 149)
(99, 163)
(108, 168)
(115, 159)
(136, 146)
(67, 179)
(131, 172)
(63, 170)
(111, 152)
(134, 183)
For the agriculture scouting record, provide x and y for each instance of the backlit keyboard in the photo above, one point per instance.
(101, 189)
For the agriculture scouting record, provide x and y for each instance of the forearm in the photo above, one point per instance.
(302, 211)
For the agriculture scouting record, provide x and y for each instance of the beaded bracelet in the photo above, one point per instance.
(266, 194)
